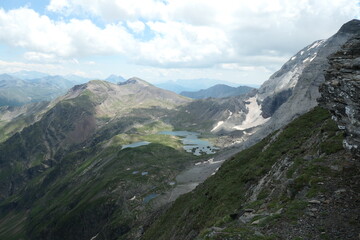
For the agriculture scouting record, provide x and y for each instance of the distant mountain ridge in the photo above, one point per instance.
(16, 92)
(218, 91)
(115, 79)
(191, 85)
(25, 87)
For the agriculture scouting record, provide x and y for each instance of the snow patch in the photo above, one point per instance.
(253, 118)
(302, 52)
(306, 59)
(217, 126)
(293, 58)
(309, 59)
(230, 114)
(94, 237)
(316, 44)
(313, 57)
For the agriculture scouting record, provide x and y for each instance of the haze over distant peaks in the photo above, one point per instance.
(196, 84)
(115, 78)
(218, 91)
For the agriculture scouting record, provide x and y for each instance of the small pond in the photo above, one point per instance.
(192, 143)
(135, 144)
(150, 197)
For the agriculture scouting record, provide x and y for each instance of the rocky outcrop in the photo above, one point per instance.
(305, 82)
(340, 92)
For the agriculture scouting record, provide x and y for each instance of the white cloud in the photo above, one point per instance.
(27, 29)
(181, 44)
(136, 26)
(40, 57)
(111, 10)
(176, 33)
(15, 66)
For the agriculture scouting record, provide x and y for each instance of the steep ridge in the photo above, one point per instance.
(14, 119)
(297, 183)
(343, 82)
(291, 184)
(288, 93)
(306, 90)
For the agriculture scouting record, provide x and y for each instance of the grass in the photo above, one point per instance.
(224, 193)
(91, 191)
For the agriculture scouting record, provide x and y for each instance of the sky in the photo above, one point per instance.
(238, 41)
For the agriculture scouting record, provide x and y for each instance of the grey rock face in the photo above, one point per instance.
(341, 91)
(308, 75)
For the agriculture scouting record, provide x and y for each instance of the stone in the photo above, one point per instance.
(256, 222)
(249, 210)
(340, 92)
(342, 190)
(314, 201)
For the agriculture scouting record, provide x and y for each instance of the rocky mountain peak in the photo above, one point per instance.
(352, 27)
(136, 80)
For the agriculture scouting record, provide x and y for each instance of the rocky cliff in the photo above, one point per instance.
(305, 77)
(341, 91)
(289, 92)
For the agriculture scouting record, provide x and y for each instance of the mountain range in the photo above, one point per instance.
(109, 161)
(192, 85)
(218, 91)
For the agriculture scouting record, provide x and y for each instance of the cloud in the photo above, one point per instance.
(111, 10)
(136, 26)
(175, 33)
(15, 66)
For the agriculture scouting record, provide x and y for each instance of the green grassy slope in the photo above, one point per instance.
(295, 165)
(91, 192)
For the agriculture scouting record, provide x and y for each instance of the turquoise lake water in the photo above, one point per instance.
(192, 143)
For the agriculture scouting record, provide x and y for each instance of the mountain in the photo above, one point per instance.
(290, 92)
(299, 182)
(76, 79)
(25, 75)
(174, 87)
(115, 79)
(15, 91)
(70, 158)
(91, 164)
(181, 85)
(14, 119)
(218, 91)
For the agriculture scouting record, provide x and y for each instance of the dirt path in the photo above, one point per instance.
(187, 180)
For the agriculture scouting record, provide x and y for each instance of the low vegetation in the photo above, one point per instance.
(293, 164)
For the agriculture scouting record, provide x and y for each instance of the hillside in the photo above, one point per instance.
(67, 175)
(218, 91)
(297, 183)
(103, 161)
(298, 175)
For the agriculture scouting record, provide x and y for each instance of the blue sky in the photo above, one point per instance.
(158, 40)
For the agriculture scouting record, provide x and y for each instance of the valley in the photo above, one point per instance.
(128, 160)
